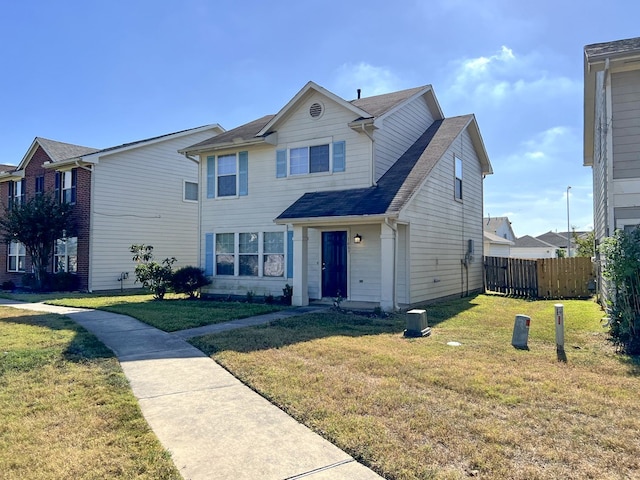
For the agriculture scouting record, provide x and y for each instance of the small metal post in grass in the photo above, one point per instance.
(559, 327)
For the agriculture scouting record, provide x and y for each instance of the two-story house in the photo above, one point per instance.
(377, 199)
(139, 192)
(612, 133)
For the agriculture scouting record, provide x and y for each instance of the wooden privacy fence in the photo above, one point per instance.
(541, 278)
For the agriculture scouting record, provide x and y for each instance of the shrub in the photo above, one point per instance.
(8, 285)
(621, 267)
(63, 282)
(287, 294)
(152, 275)
(189, 280)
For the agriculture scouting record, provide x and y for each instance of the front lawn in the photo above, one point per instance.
(66, 410)
(419, 408)
(171, 314)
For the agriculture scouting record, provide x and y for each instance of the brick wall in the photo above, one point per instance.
(80, 215)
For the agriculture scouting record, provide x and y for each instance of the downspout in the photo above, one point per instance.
(394, 227)
(373, 154)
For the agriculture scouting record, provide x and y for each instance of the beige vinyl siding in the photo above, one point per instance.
(269, 196)
(601, 161)
(398, 132)
(441, 227)
(137, 197)
(364, 262)
(626, 124)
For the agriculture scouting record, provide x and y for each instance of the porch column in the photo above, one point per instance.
(387, 267)
(300, 266)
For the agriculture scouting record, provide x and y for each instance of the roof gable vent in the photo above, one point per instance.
(316, 110)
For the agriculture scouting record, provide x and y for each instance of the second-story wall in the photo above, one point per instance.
(139, 199)
(399, 131)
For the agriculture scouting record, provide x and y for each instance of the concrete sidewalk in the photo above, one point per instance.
(214, 426)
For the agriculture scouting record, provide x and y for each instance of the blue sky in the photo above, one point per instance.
(103, 73)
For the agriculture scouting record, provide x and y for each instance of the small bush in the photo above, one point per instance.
(152, 275)
(63, 282)
(250, 296)
(189, 280)
(287, 294)
(8, 285)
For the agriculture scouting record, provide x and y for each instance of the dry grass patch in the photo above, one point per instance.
(66, 410)
(418, 408)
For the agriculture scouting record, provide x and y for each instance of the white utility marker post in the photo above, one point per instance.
(559, 326)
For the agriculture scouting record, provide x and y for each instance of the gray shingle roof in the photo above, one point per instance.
(59, 151)
(395, 187)
(554, 238)
(615, 48)
(380, 104)
(528, 241)
(242, 133)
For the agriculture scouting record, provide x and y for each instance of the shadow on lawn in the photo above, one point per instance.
(83, 346)
(308, 327)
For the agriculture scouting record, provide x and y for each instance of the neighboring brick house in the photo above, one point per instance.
(32, 176)
(139, 192)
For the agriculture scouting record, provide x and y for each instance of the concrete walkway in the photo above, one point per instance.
(214, 426)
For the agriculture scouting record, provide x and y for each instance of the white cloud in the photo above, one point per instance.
(371, 79)
(504, 77)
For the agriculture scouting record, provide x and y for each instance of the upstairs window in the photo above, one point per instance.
(305, 160)
(458, 179)
(66, 183)
(309, 160)
(16, 192)
(228, 175)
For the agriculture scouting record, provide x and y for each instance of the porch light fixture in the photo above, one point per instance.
(357, 238)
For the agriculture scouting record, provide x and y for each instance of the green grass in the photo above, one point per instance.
(66, 410)
(418, 408)
(171, 314)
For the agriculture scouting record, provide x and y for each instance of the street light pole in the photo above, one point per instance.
(568, 229)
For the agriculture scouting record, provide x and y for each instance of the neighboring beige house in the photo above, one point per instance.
(495, 246)
(139, 192)
(612, 133)
(531, 247)
(377, 199)
(500, 226)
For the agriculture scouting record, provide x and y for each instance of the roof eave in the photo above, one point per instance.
(350, 219)
(14, 175)
(223, 146)
(310, 86)
(69, 163)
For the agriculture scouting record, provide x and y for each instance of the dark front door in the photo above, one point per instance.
(334, 264)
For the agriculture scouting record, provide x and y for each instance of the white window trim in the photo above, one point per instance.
(456, 158)
(310, 143)
(237, 174)
(260, 253)
(184, 191)
(17, 257)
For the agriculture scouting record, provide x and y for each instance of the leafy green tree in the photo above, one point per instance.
(152, 275)
(37, 223)
(585, 245)
(621, 266)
